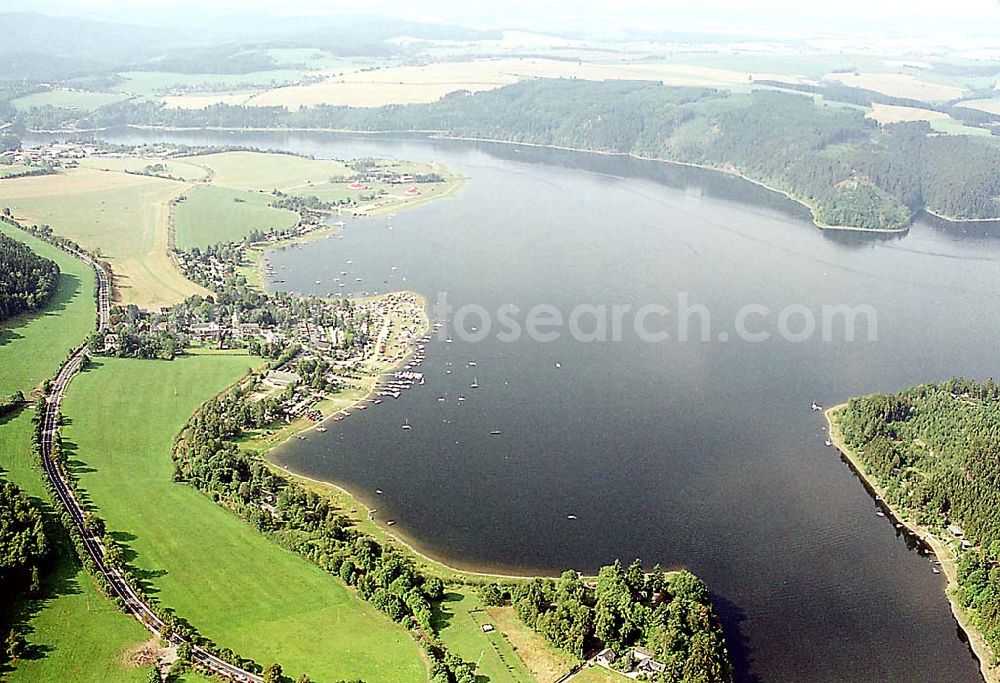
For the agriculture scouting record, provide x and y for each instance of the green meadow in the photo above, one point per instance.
(236, 586)
(74, 632)
(212, 215)
(460, 619)
(68, 99)
(32, 346)
(262, 171)
(158, 82)
(123, 217)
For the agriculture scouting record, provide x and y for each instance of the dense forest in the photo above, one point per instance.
(669, 614)
(23, 548)
(935, 449)
(847, 168)
(27, 281)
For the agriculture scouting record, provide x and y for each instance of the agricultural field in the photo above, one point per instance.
(81, 100)
(32, 346)
(427, 83)
(124, 217)
(237, 587)
(898, 85)
(990, 105)
(171, 168)
(267, 172)
(953, 127)
(460, 620)
(890, 113)
(161, 82)
(315, 59)
(212, 215)
(74, 632)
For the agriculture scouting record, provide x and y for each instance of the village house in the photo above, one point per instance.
(206, 330)
(606, 657)
(645, 661)
(279, 379)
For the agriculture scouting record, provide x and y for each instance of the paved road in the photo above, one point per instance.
(119, 585)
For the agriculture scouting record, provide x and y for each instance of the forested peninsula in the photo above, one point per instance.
(934, 451)
(849, 170)
(27, 281)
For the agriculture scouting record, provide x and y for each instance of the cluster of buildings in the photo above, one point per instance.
(52, 155)
(399, 318)
(639, 662)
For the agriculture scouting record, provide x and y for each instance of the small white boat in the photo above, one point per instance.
(449, 340)
(475, 383)
(461, 398)
(828, 442)
(406, 425)
(558, 365)
(815, 406)
(378, 491)
(321, 429)
(570, 516)
(880, 513)
(472, 363)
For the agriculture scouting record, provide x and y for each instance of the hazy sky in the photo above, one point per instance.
(977, 16)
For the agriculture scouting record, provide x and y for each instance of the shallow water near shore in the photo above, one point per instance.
(697, 454)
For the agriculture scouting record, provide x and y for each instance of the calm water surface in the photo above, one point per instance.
(698, 454)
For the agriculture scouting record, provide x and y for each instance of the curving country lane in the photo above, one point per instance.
(134, 602)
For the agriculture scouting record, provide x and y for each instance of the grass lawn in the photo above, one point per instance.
(122, 216)
(74, 633)
(460, 623)
(261, 171)
(13, 169)
(598, 674)
(236, 586)
(32, 346)
(214, 215)
(67, 99)
(545, 662)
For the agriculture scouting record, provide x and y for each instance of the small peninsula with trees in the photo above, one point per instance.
(933, 454)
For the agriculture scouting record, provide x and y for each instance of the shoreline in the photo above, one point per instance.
(980, 648)
(438, 565)
(444, 135)
(959, 221)
(257, 254)
(732, 172)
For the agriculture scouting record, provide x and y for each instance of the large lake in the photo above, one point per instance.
(697, 454)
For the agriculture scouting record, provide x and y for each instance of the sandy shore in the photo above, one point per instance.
(977, 643)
